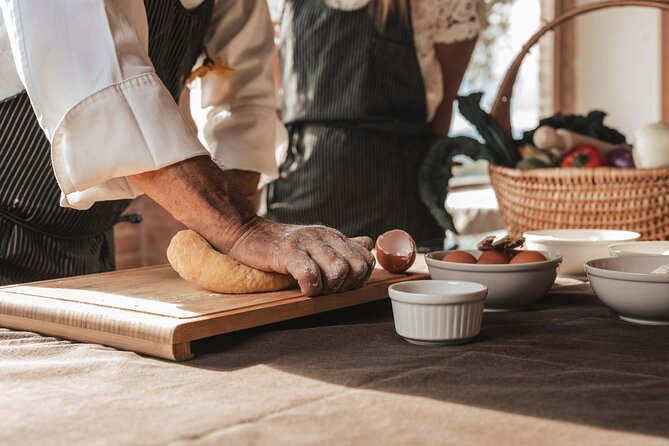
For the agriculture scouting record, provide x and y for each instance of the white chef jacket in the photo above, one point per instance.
(86, 69)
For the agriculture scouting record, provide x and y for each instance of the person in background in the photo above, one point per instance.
(367, 84)
(88, 121)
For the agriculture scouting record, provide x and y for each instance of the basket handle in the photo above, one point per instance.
(501, 109)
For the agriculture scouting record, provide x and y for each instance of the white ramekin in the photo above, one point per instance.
(429, 312)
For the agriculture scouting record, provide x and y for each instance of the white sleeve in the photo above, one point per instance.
(86, 68)
(236, 116)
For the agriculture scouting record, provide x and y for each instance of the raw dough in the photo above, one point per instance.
(198, 262)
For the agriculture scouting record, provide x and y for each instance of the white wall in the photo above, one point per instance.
(618, 66)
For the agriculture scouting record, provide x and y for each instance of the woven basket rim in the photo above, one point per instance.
(574, 172)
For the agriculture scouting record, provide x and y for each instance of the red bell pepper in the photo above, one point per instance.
(584, 156)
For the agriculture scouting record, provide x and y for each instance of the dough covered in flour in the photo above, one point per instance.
(198, 262)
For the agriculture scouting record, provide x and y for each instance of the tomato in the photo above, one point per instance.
(584, 156)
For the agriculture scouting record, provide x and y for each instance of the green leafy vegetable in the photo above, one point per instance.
(591, 125)
(435, 172)
(497, 148)
(499, 144)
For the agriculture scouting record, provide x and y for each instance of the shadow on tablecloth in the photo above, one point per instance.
(569, 359)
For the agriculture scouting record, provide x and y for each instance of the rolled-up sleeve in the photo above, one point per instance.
(236, 115)
(86, 68)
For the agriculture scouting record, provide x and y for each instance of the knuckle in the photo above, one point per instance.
(339, 268)
(304, 266)
(310, 273)
(367, 258)
(336, 275)
(359, 268)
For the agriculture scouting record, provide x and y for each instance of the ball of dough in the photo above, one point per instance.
(198, 262)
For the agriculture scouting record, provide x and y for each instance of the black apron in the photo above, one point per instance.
(354, 106)
(38, 238)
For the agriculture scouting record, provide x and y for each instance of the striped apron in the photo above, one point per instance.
(38, 238)
(354, 106)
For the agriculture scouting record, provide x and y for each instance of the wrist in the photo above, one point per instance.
(225, 229)
(202, 197)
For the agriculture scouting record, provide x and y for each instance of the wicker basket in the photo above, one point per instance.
(611, 198)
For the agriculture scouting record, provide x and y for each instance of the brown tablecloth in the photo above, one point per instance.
(566, 372)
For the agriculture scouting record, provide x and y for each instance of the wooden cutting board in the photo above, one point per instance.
(154, 311)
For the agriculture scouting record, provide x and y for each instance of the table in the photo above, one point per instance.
(566, 372)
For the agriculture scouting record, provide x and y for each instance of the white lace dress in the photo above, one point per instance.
(434, 22)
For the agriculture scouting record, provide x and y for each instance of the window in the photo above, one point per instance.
(511, 24)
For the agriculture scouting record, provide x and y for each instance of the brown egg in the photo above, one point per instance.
(528, 257)
(395, 251)
(494, 257)
(459, 257)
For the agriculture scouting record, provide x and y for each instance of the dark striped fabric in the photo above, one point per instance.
(337, 68)
(176, 37)
(38, 238)
(354, 106)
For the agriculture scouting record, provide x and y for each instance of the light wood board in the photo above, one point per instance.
(155, 312)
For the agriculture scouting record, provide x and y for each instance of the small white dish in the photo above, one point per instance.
(577, 245)
(639, 248)
(437, 312)
(510, 287)
(626, 285)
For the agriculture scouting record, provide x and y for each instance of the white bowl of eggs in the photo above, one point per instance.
(515, 279)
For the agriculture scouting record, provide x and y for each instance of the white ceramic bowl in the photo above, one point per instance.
(626, 286)
(429, 312)
(510, 287)
(639, 248)
(576, 245)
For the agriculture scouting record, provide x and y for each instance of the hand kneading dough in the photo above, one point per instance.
(196, 261)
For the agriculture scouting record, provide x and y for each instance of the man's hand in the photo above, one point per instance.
(204, 198)
(321, 259)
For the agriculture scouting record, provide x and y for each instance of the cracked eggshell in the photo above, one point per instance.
(395, 251)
